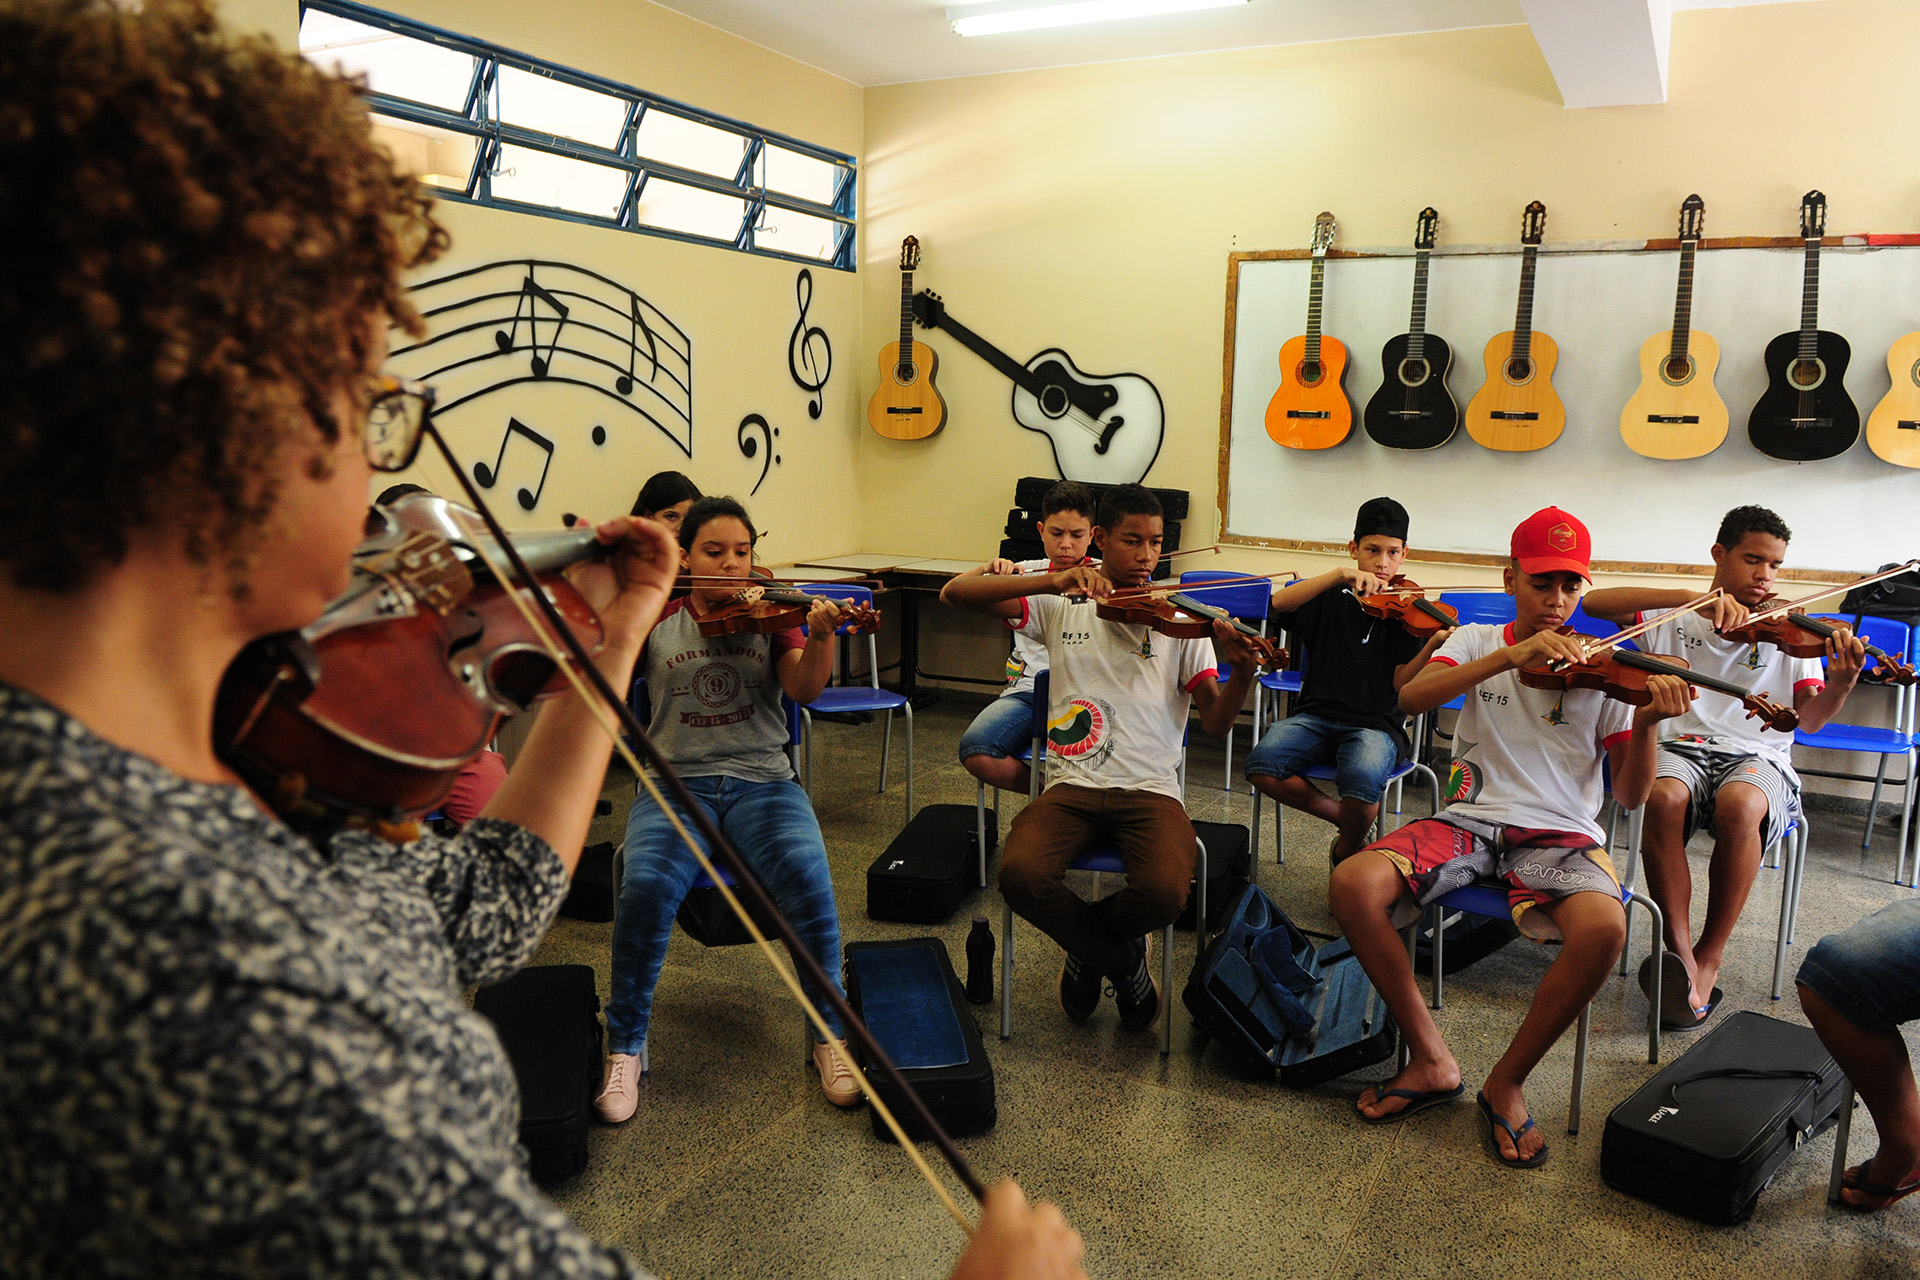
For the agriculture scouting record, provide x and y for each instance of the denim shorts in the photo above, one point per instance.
(1003, 729)
(1362, 759)
(1871, 973)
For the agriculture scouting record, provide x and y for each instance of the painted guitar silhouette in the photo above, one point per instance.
(1104, 428)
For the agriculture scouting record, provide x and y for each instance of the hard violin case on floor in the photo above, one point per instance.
(909, 997)
(1277, 999)
(548, 1020)
(930, 867)
(1705, 1136)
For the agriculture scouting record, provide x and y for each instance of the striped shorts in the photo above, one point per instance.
(1705, 769)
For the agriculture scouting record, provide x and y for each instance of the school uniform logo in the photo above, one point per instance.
(1464, 781)
(1081, 728)
(716, 684)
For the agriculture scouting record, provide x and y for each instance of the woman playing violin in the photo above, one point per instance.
(225, 1050)
(1718, 768)
(718, 716)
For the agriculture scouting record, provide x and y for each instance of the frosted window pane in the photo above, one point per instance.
(796, 233)
(674, 207)
(439, 157)
(562, 110)
(534, 177)
(802, 177)
(398, 66)
(688, 144)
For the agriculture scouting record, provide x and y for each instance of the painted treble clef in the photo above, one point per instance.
(809, 353)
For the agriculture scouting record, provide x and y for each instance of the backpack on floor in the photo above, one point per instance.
(548, 1021)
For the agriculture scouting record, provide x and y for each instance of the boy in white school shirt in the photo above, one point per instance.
(1719, 769)
(1524, 794)
(1120, 696)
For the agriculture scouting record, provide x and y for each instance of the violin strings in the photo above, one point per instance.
(835, 1045)
(1640, 628)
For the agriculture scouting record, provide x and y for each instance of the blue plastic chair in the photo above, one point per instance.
(1493, 607)
(1897, 639)
(1244, 597)
(860, 698)
(1327, 773)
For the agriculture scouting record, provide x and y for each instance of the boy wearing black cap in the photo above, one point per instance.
(1524, 792)
(1348, 712)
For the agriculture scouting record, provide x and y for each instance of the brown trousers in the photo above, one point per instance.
(1154, 838)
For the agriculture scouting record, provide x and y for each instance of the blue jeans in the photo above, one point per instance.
(773, 827)
(1363, 759)
(1003, 729)
(1871, 973)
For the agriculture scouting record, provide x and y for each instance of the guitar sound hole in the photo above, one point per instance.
(1679, 370)
(1806, 374)
(1914, 373)
(1309, 372)
(1519, 370)
(1053, 401)
(1413, 372)
(904, 374)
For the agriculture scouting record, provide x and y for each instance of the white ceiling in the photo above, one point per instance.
(873, 42)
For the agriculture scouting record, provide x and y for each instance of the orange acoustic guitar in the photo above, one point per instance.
(1311, 409)
(1516, 409)
(906, 405)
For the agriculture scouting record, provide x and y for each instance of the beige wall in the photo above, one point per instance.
(1094, 207)
(739, 310)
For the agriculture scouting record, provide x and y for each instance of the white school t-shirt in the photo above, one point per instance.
(1762, 668)
(1528, 757)
(1029, 656)
(1118, 696)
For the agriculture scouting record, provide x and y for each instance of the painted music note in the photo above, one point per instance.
(749, 446)
(529, 293)
(487, 476)
(624, 383)
(809, 353)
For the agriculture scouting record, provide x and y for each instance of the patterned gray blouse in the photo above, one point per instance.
(223, 1052)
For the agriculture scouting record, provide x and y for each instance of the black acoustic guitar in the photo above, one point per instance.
(1413, 408)
(1805, 413)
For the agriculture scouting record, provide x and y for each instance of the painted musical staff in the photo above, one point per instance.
(487, 476)
(574, 326)
(809, 353)
(750, 446)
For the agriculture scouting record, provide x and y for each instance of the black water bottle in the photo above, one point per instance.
(980, 962)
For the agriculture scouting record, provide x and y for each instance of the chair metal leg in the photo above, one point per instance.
(1280, 833)
(1799, 879)
(1226, 773)
(1635, 817)
(980, 825)
(1437, 945)
(1780, 943)
(1579, 1069)
(908, 708)
(1253, 840)
(1404, 1054)
(1841, 1133)
(886, 751)
(1166, 987)
(1657, 921)
(1006, 973)
(1873, 805)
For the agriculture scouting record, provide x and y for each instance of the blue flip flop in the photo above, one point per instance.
(1533, 1161)
(1417, 1100)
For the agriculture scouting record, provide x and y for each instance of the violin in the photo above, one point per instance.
(368, 713)
(1181, 616)
(1800, 636)
(1403, 601)
(1622, 675)
(763, 610)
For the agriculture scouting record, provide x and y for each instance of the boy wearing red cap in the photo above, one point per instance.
(1523, 793)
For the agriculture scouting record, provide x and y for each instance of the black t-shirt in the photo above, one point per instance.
(1350, 659)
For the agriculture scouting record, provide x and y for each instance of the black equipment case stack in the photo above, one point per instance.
(910, 998)
(1228, 866)
(1705, 1137)
(548, 1020)
(930, 867)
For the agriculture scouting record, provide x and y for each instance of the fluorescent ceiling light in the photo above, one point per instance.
(1031, 15)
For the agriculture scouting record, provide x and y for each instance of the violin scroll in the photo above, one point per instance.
(1770, 713)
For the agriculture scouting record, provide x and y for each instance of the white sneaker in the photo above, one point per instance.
(836, 1077)
(620, 1088)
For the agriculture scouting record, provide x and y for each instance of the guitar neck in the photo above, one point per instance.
(1683, 302)
(1810, 301)
(1523, 316)
(906, 319)
(1000, 360)
(1313, 309)
(1417, 322)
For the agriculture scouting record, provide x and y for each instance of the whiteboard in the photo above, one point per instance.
(1851, 512)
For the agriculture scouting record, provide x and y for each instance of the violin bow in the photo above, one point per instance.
(1835, 590)
(600, 698)
(1164, 588)
(1594, 646)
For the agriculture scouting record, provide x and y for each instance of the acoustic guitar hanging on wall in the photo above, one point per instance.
(1104, 428)
(1310, 409)
(1413, 408)
(1805, 413)
(1675, 412)
(906, 405)
(1516, 409)
(1893, 428)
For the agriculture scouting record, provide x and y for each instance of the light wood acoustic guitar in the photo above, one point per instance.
(1675, 412)
(1893, 428)
(906, 405)
(1311, 409)
(1516, 410)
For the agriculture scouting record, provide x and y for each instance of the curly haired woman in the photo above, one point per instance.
(225, 1050)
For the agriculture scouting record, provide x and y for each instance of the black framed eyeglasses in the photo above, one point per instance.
(396, 422)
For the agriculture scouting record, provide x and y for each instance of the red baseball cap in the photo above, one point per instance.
(1553, 541)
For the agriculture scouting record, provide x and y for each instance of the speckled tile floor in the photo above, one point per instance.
(735, 1166)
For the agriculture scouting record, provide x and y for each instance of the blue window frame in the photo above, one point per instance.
(487, 125)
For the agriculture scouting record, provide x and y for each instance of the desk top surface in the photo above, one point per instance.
(861, 561)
